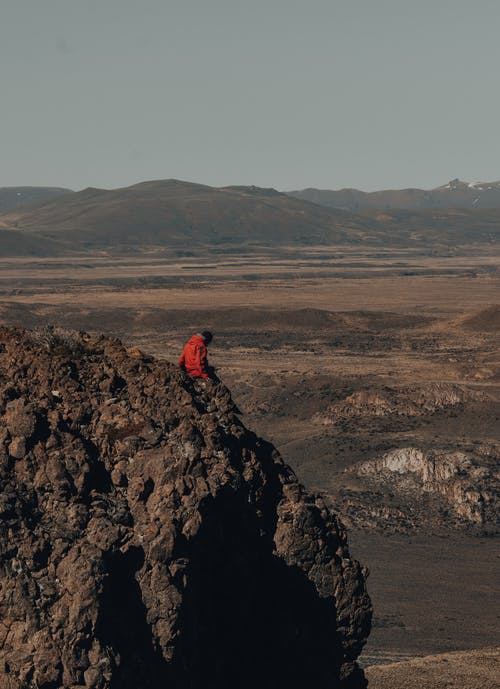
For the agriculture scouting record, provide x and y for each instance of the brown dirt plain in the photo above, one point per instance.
(474, 670)
(296, 334)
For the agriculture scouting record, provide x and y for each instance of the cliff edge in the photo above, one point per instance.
(149, 540)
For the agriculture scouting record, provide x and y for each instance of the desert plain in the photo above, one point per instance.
(339, 356)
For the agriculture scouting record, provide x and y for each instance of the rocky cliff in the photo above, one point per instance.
(149, 540)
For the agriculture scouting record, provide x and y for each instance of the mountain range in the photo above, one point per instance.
(455, 194)
(182, 216)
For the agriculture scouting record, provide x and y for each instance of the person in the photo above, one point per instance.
(193, 359)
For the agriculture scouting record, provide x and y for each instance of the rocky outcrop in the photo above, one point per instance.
(411, 487)
(149, 540)
(401, 402)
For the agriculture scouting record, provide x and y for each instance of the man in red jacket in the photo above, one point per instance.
(193, 359)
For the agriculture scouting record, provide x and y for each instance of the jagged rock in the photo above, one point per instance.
(149, 540)
(431, 488)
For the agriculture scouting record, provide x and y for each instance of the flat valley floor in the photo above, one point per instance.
(294, 334)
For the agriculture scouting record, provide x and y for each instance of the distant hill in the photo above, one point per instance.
(181, 216)
(12, 197)
(175, 214)
(455, 194)
(14, 243)
(433, 227)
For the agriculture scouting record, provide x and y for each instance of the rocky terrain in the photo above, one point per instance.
(434, 484)
(147, 538)
(341, 428)
(393, 457)
(409, 488)
(346, 360)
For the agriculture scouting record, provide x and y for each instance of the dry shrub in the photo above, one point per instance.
(59, 341)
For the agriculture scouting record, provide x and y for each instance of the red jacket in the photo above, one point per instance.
(194, 357)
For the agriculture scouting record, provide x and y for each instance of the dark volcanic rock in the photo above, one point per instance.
(149, 540)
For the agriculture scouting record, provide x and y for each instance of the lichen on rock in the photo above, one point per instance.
(149, 540)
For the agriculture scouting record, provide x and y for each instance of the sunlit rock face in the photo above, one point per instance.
(148, 540)
(440, 488)
(470, 489)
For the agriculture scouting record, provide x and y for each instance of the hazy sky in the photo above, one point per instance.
(284, 93)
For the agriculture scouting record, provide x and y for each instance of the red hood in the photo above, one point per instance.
(196, 339)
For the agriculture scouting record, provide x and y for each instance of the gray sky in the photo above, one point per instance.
(284, 93)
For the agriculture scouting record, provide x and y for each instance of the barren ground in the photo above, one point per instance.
(296, 335)
(467, 670)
